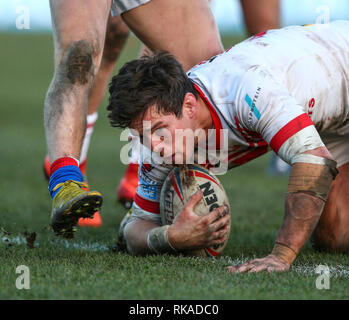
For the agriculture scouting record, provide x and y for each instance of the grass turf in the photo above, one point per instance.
(86, 268)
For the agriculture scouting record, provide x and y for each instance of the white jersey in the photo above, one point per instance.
(285, 90)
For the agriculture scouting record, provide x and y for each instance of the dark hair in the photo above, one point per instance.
(141, 83)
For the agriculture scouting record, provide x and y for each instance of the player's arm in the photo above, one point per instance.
(188, 231)
(144, 233)
(292, 135)
(309, 184)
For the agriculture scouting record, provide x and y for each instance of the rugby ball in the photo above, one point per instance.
(181, 183)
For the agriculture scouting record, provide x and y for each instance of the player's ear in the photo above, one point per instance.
(190, 105)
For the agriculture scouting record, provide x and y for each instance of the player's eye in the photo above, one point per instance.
(160, 132)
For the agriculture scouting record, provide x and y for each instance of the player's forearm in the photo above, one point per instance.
(146, 237)
(302, 213)
(136, 233)
(309, 185)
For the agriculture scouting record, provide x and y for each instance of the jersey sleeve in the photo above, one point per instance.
(265, 106)
(146, 204)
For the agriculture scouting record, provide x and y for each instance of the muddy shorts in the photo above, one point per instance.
(120, 6)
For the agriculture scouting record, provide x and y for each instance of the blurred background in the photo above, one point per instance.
(227, 12)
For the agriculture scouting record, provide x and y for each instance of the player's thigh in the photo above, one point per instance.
(332, 231)
(116, 36)
(79, 25)
(261, 15)
(186, 29)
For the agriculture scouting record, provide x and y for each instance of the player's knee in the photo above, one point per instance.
(78, 64)
(131, 243)
(116, 35)
(332, 231)
(330, 239)
(75, 68)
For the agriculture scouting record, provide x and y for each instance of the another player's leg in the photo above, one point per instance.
(261, 15)
(332, 231)
(186, 29)
(127, 187)
(116, 36)
(79, 31)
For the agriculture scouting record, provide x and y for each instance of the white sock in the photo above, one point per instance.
(135, 149)
(91, 120)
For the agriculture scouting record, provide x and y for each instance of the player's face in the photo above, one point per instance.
(171, 137)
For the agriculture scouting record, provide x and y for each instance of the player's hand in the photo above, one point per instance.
(270, 263)
(190, 231)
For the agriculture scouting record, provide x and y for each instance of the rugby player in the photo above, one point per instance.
(286, 90)
(259, 16)
(79, 30)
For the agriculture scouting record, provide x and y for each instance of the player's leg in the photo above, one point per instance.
(332, 231)
(145, 51)
(116, 36)
(186, 29)
(79, 31)
(261, 15)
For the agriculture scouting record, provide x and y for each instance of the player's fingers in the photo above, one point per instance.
(245, 268)
(231, 269)
(221, 223)
(217, 214)
(256, 262)
(236, 267)
(242, 267)
(218, 241)
(220, 233)
(258, 268)
(270, 269)
(194, 200)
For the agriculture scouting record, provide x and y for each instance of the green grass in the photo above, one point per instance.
(86, 268)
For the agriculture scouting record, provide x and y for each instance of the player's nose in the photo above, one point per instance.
(157, 146)
(162, 148)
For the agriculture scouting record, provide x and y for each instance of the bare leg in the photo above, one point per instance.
(332, 231)
(186, 29)
(116, 36)
(261, 15)
(79, 31)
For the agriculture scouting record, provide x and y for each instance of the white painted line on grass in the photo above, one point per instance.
(78, 245)
(338, 271)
